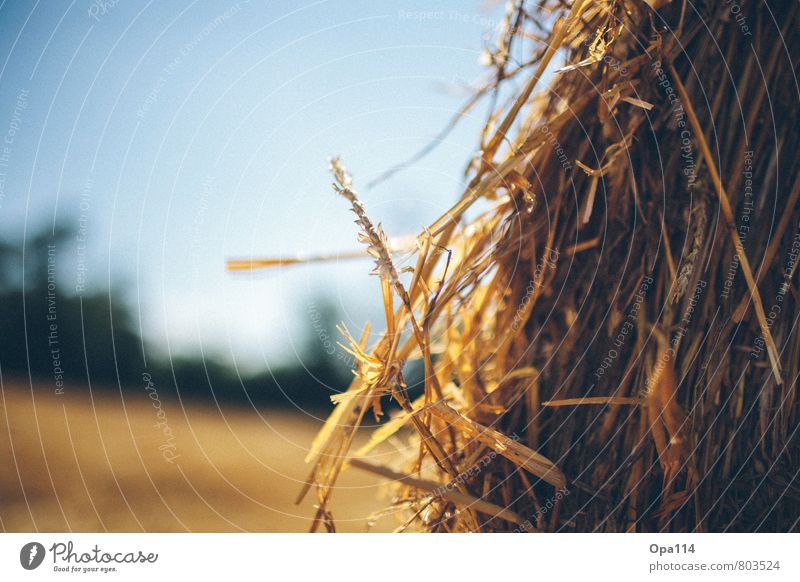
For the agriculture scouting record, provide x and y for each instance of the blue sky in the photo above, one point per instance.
(178, 134)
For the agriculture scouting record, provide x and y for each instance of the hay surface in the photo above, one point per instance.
(612, 344)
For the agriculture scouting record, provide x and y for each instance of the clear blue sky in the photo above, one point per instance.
(177, 134)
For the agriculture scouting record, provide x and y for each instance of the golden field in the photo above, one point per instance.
(92, 462)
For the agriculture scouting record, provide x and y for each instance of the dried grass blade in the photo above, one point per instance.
(457, 497)
(593, 400)
(514, 451)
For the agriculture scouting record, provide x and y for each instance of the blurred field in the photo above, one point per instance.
(81, 462)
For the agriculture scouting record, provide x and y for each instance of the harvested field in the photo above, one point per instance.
(80, 463)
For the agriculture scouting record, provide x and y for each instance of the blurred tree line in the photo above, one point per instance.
(68, 340)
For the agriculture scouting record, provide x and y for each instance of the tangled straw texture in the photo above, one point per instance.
(625, 351)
